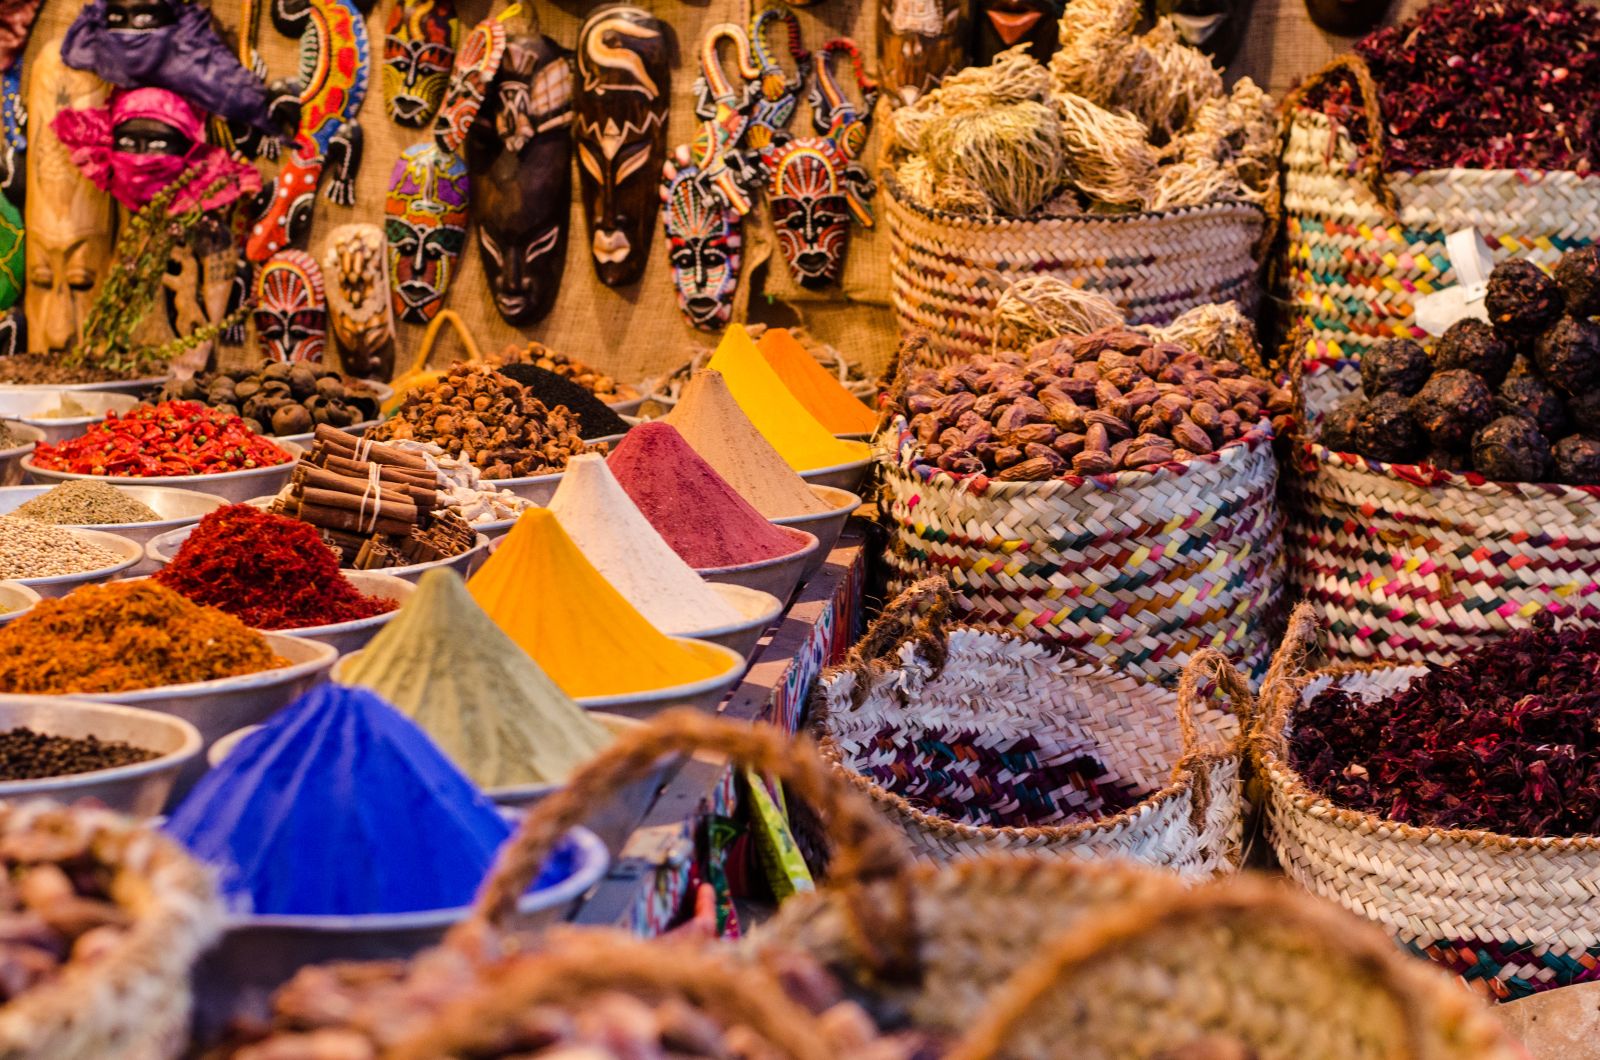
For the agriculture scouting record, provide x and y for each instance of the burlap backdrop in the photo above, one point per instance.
(637, 332)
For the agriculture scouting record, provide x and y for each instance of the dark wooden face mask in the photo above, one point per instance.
(920, 43)
(1001, 24)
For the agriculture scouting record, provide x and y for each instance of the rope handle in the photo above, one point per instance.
(1207, 665)
(917, 615)
(429, 337)
(1242, 903)
(868, 855)
(1281, 686)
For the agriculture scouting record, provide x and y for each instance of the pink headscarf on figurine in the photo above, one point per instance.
(133, 179)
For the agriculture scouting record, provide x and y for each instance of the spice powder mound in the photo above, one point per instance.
(124, 637)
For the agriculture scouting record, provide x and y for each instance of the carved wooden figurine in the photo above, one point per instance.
(621, 107)
(419, 50)
(356, 277)
(291, 312)
(920, 43)
(723, 105)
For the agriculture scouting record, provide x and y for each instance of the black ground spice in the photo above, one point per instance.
(595, 417)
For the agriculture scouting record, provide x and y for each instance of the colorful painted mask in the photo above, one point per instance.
(143, 141)
(1002, 24)
(778, 93)
(520, 156)
(476, 65)
(419, 49)
(425, 223)
(291, 313)
(703, 243)
(333, 58)
(920, 42)
(14, 145)
(16, 22)
(621, 105)
(357, 278)
(723, 107)
(168, 44)
(69, 220)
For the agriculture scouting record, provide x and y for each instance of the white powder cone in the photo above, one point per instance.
(615, 536)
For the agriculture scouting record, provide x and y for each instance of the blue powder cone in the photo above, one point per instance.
(340, 805)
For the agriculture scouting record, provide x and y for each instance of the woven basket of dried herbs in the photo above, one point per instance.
(1459, 806)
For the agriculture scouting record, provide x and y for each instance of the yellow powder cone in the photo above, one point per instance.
(840, 411)
(545, 596)
(803, 443)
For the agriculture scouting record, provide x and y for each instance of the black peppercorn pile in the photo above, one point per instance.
(1516, 398)
(29, 755)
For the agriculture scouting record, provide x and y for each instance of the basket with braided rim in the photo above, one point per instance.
(948, 270)
(1512, 915)
(132, 1001)
(1139, 568)
(972, 740)
(1362, 244)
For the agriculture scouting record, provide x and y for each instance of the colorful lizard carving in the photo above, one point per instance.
(331, 84)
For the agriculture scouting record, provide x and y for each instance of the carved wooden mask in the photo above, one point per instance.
(291, 313)
(920, 42)
(520, 156)
(69, 220)
(200, 286)
(1002, 24)
(623, 92)
(419, 50)
(356, 274)
(810, 205)
(703, 243)
(425, 224)
(476, 65)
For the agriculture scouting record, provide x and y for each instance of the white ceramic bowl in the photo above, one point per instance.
(536, 488)
(778, 576)
(345, 637)
(11, 460)
(701, 695)
(17, 599)
(140, 789)
(630, 407)
(111, 386)
(131, 552)
(757, 609)
(824, 526)
(848, 476)
(160, 550)
(29, 405)
(305, 439)
(234, 486)
(177, 508)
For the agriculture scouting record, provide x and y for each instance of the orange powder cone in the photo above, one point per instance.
(814, 386)
(543, 593)
(803, 442)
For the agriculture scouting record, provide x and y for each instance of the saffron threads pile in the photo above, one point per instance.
(124, 637)
(153, 441)
(1507, 739)
(267, 570)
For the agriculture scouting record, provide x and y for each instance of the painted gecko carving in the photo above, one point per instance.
(330, 86)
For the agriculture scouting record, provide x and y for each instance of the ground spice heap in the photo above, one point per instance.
(171, 439)
(616, 537)
(595, 418)
(124, 637)
(707, 524)
(29, 755)
(301, 818)
(804, 444)
(716, 427)
(267, 570)
(34, 550)
(818, 389)
(444, 664)
(579, 629)
(1505, 739)
(83, 502)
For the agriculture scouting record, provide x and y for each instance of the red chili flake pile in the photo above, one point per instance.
(1507, 739)
(269, 571)
(169, 439)
(1508, 84)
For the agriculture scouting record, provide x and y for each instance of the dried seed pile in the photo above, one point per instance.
(85, 503)
(34, 550)
(1114, 400)
(29, 755)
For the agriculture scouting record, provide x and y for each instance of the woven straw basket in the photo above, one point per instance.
(1363, 244)
(1513, 916)
(133, 1001)
(972, 740)
(1140, 568)
(949, 270)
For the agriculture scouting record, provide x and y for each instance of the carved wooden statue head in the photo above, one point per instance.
(419, 49)
(356, 275)
(291, 312)
(520, 156)
(621, 106)
(920, 42)
(69, 220)
(425, 223)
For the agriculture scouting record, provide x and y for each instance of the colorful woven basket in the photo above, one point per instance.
(1512, 916)
(972, 740)
(1363, 245)
(1139, 568)
(949, 270)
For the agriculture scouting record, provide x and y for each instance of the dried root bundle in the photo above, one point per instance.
(1108, 155)
(1044, 307)
(1012, 152)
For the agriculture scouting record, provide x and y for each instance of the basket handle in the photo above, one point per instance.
(430, 337)
(1207, 665)
(1278, 688)
(919, 613)
(1243, 902)
(870, 859)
